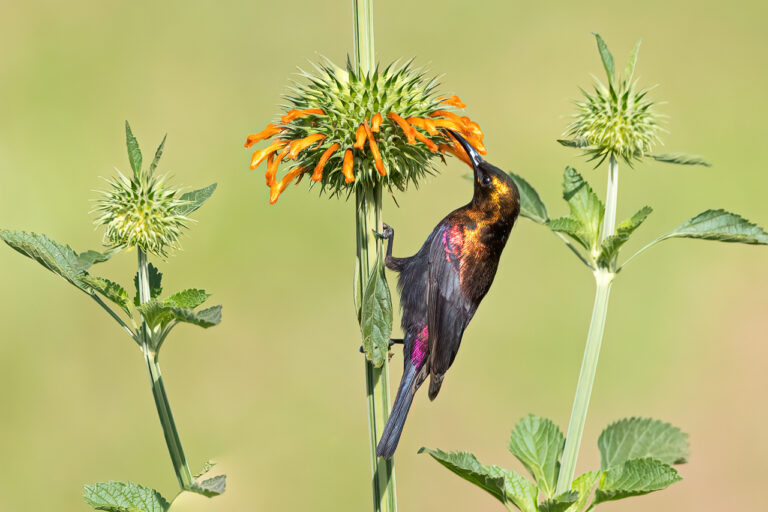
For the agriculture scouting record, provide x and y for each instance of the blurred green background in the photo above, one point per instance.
(275, 393)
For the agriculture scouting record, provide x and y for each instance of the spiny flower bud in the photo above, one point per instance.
(141, 212)
(616, 120)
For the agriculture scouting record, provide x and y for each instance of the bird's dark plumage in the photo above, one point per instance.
(442, 285)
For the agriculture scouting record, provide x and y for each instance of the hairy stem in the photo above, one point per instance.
(368, 219)
(603, 280)
(172, 439)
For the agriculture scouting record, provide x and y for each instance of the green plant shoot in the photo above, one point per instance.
(144, 213)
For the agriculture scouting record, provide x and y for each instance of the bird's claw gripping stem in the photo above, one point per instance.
(387, 232)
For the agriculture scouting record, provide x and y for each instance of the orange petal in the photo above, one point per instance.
(276, 189)
(262, 154)
(450, 115)
(266, 133)
(461, 155)
(359, 138)
(447, 123)
(295, 114)
(376, 121)
(272, 167)
(424, 124)
(300, 145)
(477, 144)
(423, 138)
(453, 100)
(375, 151)
(346, 168)
(472, 127)
(408, 130)
(318, 174)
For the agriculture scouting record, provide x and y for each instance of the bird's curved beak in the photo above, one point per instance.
(474, 156)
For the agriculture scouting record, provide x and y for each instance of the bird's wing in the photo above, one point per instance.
(448, 310)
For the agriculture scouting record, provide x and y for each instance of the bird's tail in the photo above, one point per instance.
(391, 435)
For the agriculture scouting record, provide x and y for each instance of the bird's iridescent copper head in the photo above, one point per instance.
(348, 130)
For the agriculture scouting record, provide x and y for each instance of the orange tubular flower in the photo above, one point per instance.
(472, 127)
(346, 168)
(408, 130)
(422, 138)
(300, 145)
(318, 174)
(425, 124)
(359, 138)
(375, 151)
(453, 100)
(272, 167)
(266, 133)
(447, 123)
(460, 153)
(261, 155)
(276, 189)
(295, 114)
(477, 144)
(376, 121)
(450, 115)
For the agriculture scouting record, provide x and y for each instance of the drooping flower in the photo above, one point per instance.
(348, 130)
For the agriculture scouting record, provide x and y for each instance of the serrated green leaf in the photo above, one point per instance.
(580, 142)
(187, 299)
(502, 484)
(531, 205)
(605, 56)
(155, 284)
(583, 485)
(205, 318)
(609, 248)
(90, 258)
(637, 438)
(681, 159)
(158, 154)
(210, 487)
(560, 503)
(194, 200)
(134, 153)
(109, 289)
(572, 228)
(538, 443)
(155, 313)
(57, 258)
(629, 71)
(721, 226)
(376, 316)
(586, 208)
(634, 478)
(124, 497)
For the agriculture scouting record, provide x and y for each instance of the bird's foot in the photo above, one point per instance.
(387, 232)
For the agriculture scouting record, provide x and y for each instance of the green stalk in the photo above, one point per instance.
(172, 439)
(603, 280)
(368, 219)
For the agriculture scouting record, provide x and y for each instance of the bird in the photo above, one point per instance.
(442, 285)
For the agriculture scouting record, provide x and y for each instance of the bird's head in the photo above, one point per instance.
(494, 189)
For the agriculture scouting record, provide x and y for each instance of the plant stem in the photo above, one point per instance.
(172, 439)
(368, 219)
(603, 280)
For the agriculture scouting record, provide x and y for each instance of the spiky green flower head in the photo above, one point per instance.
(142, 211)
(349, 129)
(615, 120)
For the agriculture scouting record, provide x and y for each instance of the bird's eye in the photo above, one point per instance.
(486, 181)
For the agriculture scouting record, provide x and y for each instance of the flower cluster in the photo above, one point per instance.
(348, 129)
